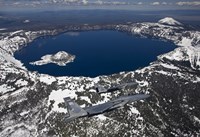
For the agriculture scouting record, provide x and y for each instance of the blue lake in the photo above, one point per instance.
(97, 53)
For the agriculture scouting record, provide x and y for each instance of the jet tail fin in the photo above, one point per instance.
(73, 108)
(97, 89)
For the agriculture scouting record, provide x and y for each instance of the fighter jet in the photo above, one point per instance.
(100, 89)
(75, 111)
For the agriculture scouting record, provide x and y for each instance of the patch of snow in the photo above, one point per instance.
(5, 88)
(21, 82)
(185, 42)
(134, 110)
(24, 113)
(47, 79)
(163, 72)
(96, 80)
(101, 117)
(196, 119)
(169, 66)
(86, 99)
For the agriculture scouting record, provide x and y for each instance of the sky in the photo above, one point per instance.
(100, 4)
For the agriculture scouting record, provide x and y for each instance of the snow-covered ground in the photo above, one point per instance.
(33, 98)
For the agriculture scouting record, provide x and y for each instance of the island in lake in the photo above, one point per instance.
(61, 58)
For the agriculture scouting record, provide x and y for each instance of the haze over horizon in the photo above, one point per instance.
(99, 4)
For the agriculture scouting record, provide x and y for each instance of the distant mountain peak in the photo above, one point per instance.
(169, 21)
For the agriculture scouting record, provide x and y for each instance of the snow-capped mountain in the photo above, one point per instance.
(32, 103)
(170, 21)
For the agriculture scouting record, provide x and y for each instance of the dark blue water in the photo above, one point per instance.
(97, 53)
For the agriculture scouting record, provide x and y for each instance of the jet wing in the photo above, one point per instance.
(101, 108)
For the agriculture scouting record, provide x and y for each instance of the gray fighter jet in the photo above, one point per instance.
(75, 111)
(100, 89)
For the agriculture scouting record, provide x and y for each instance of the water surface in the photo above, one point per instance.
(97, 53)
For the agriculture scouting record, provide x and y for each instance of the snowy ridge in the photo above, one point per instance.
(13, 41)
